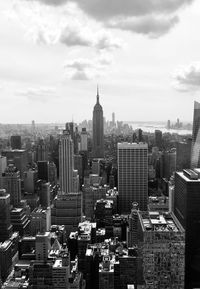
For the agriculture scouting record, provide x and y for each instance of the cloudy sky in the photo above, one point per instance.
(143, 54)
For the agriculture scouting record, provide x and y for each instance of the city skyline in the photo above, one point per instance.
(45, 65)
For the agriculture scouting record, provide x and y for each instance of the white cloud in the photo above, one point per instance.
(187, 78)
(86, 69)
(152, 26)
(104, 9)
(37, 94)
(146, 13)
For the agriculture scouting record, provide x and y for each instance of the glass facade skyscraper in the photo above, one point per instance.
(195, 155)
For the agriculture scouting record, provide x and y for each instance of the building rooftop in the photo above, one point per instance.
(190, 175)
(126, 145)
(155, 221)
(58, 263)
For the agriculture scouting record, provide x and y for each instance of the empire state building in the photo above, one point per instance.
(98, 131)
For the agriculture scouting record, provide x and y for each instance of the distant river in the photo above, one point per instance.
(151, 127)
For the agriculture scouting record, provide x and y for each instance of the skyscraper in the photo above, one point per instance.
(98, 130)
(195, 155)
(113, 118)
(12, 184)
(186, 210)
(5, 224)
(84, 140)
(161, 243)
(66, 162)
(158, 138)
(15, 141)
(132, 175)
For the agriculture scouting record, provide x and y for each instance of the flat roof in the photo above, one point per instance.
(156, 221)
(126, 145)
(187, 179)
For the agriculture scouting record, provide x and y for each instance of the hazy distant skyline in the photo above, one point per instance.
(144, 55)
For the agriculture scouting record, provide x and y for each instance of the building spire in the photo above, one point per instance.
(97, 93)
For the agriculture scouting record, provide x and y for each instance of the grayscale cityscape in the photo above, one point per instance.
(99, 144)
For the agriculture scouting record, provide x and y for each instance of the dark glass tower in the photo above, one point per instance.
(5, 224)
(98, 131)
(195, 155)
(186, 210)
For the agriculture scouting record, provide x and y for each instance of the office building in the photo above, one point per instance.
(66, 163)
(30, 179)
(158, 138)
(161, 243)
(84, 140)
(19, 221)
(42, 246)
(113, 119)
(98, 130)
(186, 209)
(17, 157)
(44, 194)
(5, 259)
(140, 135)
(12, 184)
(168, 163)
(183, 154)
(132, 175)
(3, 164)
(41, 151)
(69, 127)
(40, 220)
(52, 173)
(195, 154)
(15, 142)
(67, 210)
(5, 224)
(78, 165)
(90, 195)
(43, 167)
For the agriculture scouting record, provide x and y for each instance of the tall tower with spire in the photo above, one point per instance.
(98, 130)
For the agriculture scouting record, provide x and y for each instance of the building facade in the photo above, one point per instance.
(98, 130)
(66, 163)
(132, 175)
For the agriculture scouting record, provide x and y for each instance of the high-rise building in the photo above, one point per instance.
(132, 175)
(44, 194)
(12, 184)
(168, 163)
(3, 166)
(98, 130)
(186, 209)
(5, 259)
(17, 157)
(5, 224)
(52, 173)
(69, 127)
(40, 221)
(195, 155)
(41, 151)
(66, 162)
(113, 118)
(67, 210)
(84, 140)
(140, 135)
(43, 170)
(183, 154)
(158, 138)
(19, 221)
(15, 142)
(161, 243)
(30, 179)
